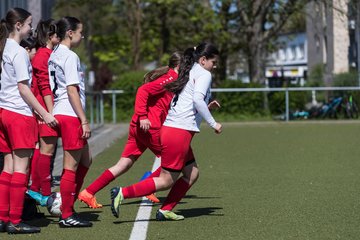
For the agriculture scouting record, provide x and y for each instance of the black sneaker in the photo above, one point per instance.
(74, 221)
(2, 226)
(21, 228)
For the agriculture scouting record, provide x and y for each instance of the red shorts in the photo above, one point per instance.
(17, 131)
(70, 130)
(176, 150)
(45, 130)
(138, 141)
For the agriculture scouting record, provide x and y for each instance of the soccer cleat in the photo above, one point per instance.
(2, 226)
(116, 199)
(39, 198)
(74, 221)
(152, 198)
(21, 228)
(89, 199)
(166, 215)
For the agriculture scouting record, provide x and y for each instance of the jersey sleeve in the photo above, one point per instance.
(71, 70)
(21, 65)
(149, 89)
(42, 75)
(202, 84)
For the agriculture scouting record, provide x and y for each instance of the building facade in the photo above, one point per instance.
(327, 33)
(289, 63)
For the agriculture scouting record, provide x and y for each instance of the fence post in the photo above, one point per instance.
(92, 110)
(97, 109)
(114, 106)
(101, 108)
(287, 104)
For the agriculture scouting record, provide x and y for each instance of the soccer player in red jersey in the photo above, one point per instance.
(189, 106)
(46, 40)
(18, 128)
(151, 107)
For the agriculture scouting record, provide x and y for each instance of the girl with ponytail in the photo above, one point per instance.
(188, 107)
(68, 86)
(46, 40)
(17, 124)
(151, 106)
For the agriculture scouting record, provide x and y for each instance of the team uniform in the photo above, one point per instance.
(187, 110)
(17, 128)
(64, 70)
(183, 120)
(152, 102)
(40, 86)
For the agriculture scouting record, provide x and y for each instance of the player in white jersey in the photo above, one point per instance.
(67, 83)
(17, 124)
(188, 107)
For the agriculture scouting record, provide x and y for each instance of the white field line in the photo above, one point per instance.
(139, 230)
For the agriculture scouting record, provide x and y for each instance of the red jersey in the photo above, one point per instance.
(40, 84)
(153, 100)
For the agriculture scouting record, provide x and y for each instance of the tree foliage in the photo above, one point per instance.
(123, 35)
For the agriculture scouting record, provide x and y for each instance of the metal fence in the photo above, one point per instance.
(95, 100)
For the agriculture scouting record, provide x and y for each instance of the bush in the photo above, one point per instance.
(129, 82)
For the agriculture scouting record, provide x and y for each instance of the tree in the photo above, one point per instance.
(259, 22)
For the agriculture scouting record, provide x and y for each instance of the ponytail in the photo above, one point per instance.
(155, 74)
(44, 30)
(4, 33)
(174, 61)
(191, 55)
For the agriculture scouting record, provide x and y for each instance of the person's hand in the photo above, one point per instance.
(50, 120)
(86, 130)
(213, 105)
(145, 124)
(218, 128)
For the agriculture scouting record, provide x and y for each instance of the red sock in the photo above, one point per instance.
(44, 173)
(67, 191)
(139, 189)
(5, 179)
(17, 195)
(156, 173)
(105, 178)
(176, 193)
(80, 176)
(34, 171)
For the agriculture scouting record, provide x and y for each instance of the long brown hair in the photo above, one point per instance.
(174, 61)
(7, 25)
(191, 55)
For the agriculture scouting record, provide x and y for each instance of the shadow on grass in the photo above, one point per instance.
(188, 213)
(91, 216)
(197, 212)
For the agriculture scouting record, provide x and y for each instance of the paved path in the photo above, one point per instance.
(101, 139)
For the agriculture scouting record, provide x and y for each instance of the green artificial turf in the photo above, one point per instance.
(257, 181)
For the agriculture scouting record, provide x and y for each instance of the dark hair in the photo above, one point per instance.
(29, 43)
(190, 56)
(44, 30)
(174, 61)
(7, 25)
(65, 24)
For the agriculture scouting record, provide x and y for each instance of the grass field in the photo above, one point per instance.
(257, 181)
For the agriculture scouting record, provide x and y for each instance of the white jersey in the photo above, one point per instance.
(16, 67)
(183, 112)
(65, 70)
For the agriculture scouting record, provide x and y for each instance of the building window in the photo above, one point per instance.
(300, 51)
